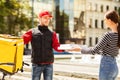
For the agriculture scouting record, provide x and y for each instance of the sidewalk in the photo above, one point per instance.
(86, 66)
(78, 66)
(67, 67)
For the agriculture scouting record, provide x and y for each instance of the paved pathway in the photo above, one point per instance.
(82, 68)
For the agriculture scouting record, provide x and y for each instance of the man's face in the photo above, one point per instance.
(44, 20)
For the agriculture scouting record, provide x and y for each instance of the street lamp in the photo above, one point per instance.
(27, 45)
(32, 13)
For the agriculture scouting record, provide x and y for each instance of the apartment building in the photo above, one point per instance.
(95, 10)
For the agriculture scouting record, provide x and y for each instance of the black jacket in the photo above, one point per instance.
(42, 45)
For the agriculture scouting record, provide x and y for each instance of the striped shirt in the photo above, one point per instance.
(106, 46)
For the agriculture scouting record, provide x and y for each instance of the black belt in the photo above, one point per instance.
(108, 55)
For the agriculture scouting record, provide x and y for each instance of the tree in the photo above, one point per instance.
(15, 15)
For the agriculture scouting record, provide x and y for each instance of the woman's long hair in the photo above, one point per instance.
(118, 28)
(113, 16)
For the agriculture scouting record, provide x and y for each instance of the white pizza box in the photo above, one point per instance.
(67, 46)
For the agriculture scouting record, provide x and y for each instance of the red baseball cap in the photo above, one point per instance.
(44, 13)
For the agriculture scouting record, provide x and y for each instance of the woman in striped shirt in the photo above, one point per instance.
(108, 47)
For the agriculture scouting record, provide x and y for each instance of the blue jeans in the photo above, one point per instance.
(108, 68)
(38, 69)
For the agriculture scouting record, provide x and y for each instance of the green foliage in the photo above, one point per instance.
(15, 16)
(119, 11)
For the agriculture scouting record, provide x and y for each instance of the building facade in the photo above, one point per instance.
(95, 11)
(77, 21)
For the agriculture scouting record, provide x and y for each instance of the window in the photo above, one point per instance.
(115, 8)
(102, 24)
(96, 23)
(89, 6)
(101, 8)
(96, 7)
(90, 26)
(90, 23)
(107, 8)
(90, 41)
(96, 40)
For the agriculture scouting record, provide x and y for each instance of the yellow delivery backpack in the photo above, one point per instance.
(11, 54)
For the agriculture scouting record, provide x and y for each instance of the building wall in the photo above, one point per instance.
(95, 11)
(88, 17)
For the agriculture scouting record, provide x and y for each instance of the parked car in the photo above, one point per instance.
(59, 53)
(62, 46)
(27, 51)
